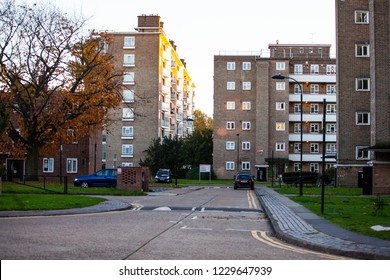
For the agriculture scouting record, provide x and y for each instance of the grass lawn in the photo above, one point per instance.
(10, 201)
(346, 208)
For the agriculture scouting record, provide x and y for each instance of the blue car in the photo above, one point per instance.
(102, 178)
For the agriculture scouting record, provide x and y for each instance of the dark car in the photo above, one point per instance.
(102, 178)
(163, 175)
(244, 181)
(243, 173)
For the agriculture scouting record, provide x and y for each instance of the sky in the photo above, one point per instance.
(202, 29)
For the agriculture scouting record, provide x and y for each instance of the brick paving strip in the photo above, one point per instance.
(290, 227)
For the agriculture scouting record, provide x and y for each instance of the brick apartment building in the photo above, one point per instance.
(257, 123)
(363, 81)
(158, 93)
(71, 160)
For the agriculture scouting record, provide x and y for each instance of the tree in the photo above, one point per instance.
(202, 121)
(55, 83)
(165, 153)
(177, 153)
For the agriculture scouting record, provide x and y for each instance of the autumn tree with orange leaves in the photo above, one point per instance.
(53, 79)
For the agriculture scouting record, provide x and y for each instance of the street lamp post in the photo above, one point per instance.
(282, 77)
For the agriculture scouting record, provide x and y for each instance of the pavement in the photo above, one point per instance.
(291, 222)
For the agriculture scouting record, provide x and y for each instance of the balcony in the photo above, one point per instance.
(329, 79)
(296, 97)
(165, 89)
(311, 117)
(165, 123)
(311, 137)
(165, 106)
(310, 157)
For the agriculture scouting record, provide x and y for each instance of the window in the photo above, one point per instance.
(301, 50)
(314, 148)
(246, 66)
(331, 148)
(331, 128)
(362, 84)
(314, 128)
(280, 86)
(246, 125)
(246, 85)
(280, 66)
(128, 78)
(362, 50)
(129, 60)
(297, 167)
(246, 105)
(127, 150)
(127, 114)
(362, 153)
(230, 125)
(280, 106)
(314, 167)
(331, 89)
(297, 128)
(230, 105)
(361, 17)
(314, 69)
(314, 89)
(298, 69)
(297, 108)
(246, 146)
(280, 126)
(129, 42)
(127, 131)
(48, 165)
(230, 85)
(297, 148)
(230, 165)
(331, 108)
(280, 146)
(128, 95)
(127, 164)
(362, 118)
(331, 69)
(231, 66)
(297, 89)
(230, 145)
(71, 165)
(246, 165)
(314, 108)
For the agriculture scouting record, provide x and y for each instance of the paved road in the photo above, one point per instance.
(194, 223)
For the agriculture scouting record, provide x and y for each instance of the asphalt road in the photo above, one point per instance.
(202, 224)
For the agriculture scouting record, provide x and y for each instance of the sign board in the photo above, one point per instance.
(204, 168)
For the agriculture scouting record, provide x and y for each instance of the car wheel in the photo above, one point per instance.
(84, 184)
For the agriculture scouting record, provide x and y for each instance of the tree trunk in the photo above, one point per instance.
(32, 163)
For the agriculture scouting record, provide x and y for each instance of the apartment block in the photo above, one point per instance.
(363, 59)
(158, 93)
(257, 119)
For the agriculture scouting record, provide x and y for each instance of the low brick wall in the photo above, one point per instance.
(133, 179)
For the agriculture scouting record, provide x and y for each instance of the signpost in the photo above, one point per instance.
(205, 168)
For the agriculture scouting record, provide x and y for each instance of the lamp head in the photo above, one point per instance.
(279, 77)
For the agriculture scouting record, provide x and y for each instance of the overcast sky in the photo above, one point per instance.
(201, 29)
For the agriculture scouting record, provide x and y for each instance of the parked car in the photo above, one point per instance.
(245, 173)
(102, 178)
(163, 175)
(244, 181)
